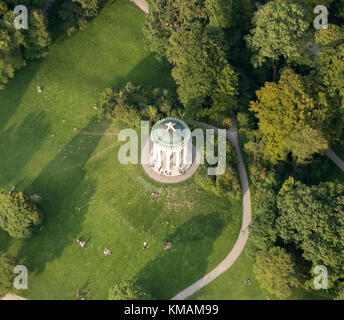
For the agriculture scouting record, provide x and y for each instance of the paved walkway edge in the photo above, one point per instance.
(12, 297)
(335, 159)
(232, 136)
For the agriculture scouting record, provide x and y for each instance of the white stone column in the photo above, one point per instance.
(154, 152)
(185, 151)
(168, 161)
(159, 157)
(178, 154)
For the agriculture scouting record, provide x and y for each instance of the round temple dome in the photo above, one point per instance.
(170, 134)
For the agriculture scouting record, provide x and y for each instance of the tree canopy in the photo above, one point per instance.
(292, 117)
(280, 30)
(312, 219)
(18, 214)
(275, 271)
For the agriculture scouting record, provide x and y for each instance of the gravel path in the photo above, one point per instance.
(142, 4)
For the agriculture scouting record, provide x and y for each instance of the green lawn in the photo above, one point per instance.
(53, 144)
(231, 285)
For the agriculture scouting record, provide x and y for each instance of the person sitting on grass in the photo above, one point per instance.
(82, 243)
(155, 195)
(167, 245)
(107, 252)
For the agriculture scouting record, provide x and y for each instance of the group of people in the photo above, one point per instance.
(108, 252)
(167, 245)
(82, 243)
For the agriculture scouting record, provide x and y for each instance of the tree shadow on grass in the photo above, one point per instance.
(18, 144)
(186, 261)
(11, 95)
(5, 241)
(66, 192)
(150, 73)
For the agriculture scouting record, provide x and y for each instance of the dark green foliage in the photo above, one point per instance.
(340, 292)
(275, 270)
(135, 103)
(263, 233)
(37, 39)
(329, 73)
(128, 290)
(226, 184)
(75, 14)
(10, 45)
(312, 219)
(30, 4)
(18, 45)
(280, 30)
(190, 35)
(18, 214)
(6, 275)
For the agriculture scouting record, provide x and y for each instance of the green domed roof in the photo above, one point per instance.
(170, 133)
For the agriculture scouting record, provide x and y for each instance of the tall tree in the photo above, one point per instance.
(289, 109)
(37, 39)
(202, 72)
(275, 271)
(76, 13)
(10, 45)
(128, 290)
(329, 72)
(280, 30)
(311, 218)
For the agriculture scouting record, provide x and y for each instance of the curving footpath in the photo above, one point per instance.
(335, 159)
(232, 136)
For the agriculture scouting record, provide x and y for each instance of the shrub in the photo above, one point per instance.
(18, 214)
(133, 103)
(128, 290)
(226, 184)
(6, 275)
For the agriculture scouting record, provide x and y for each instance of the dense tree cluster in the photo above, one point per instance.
(192, 37)
(75, 14)
(16, 46)
(132, 104)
